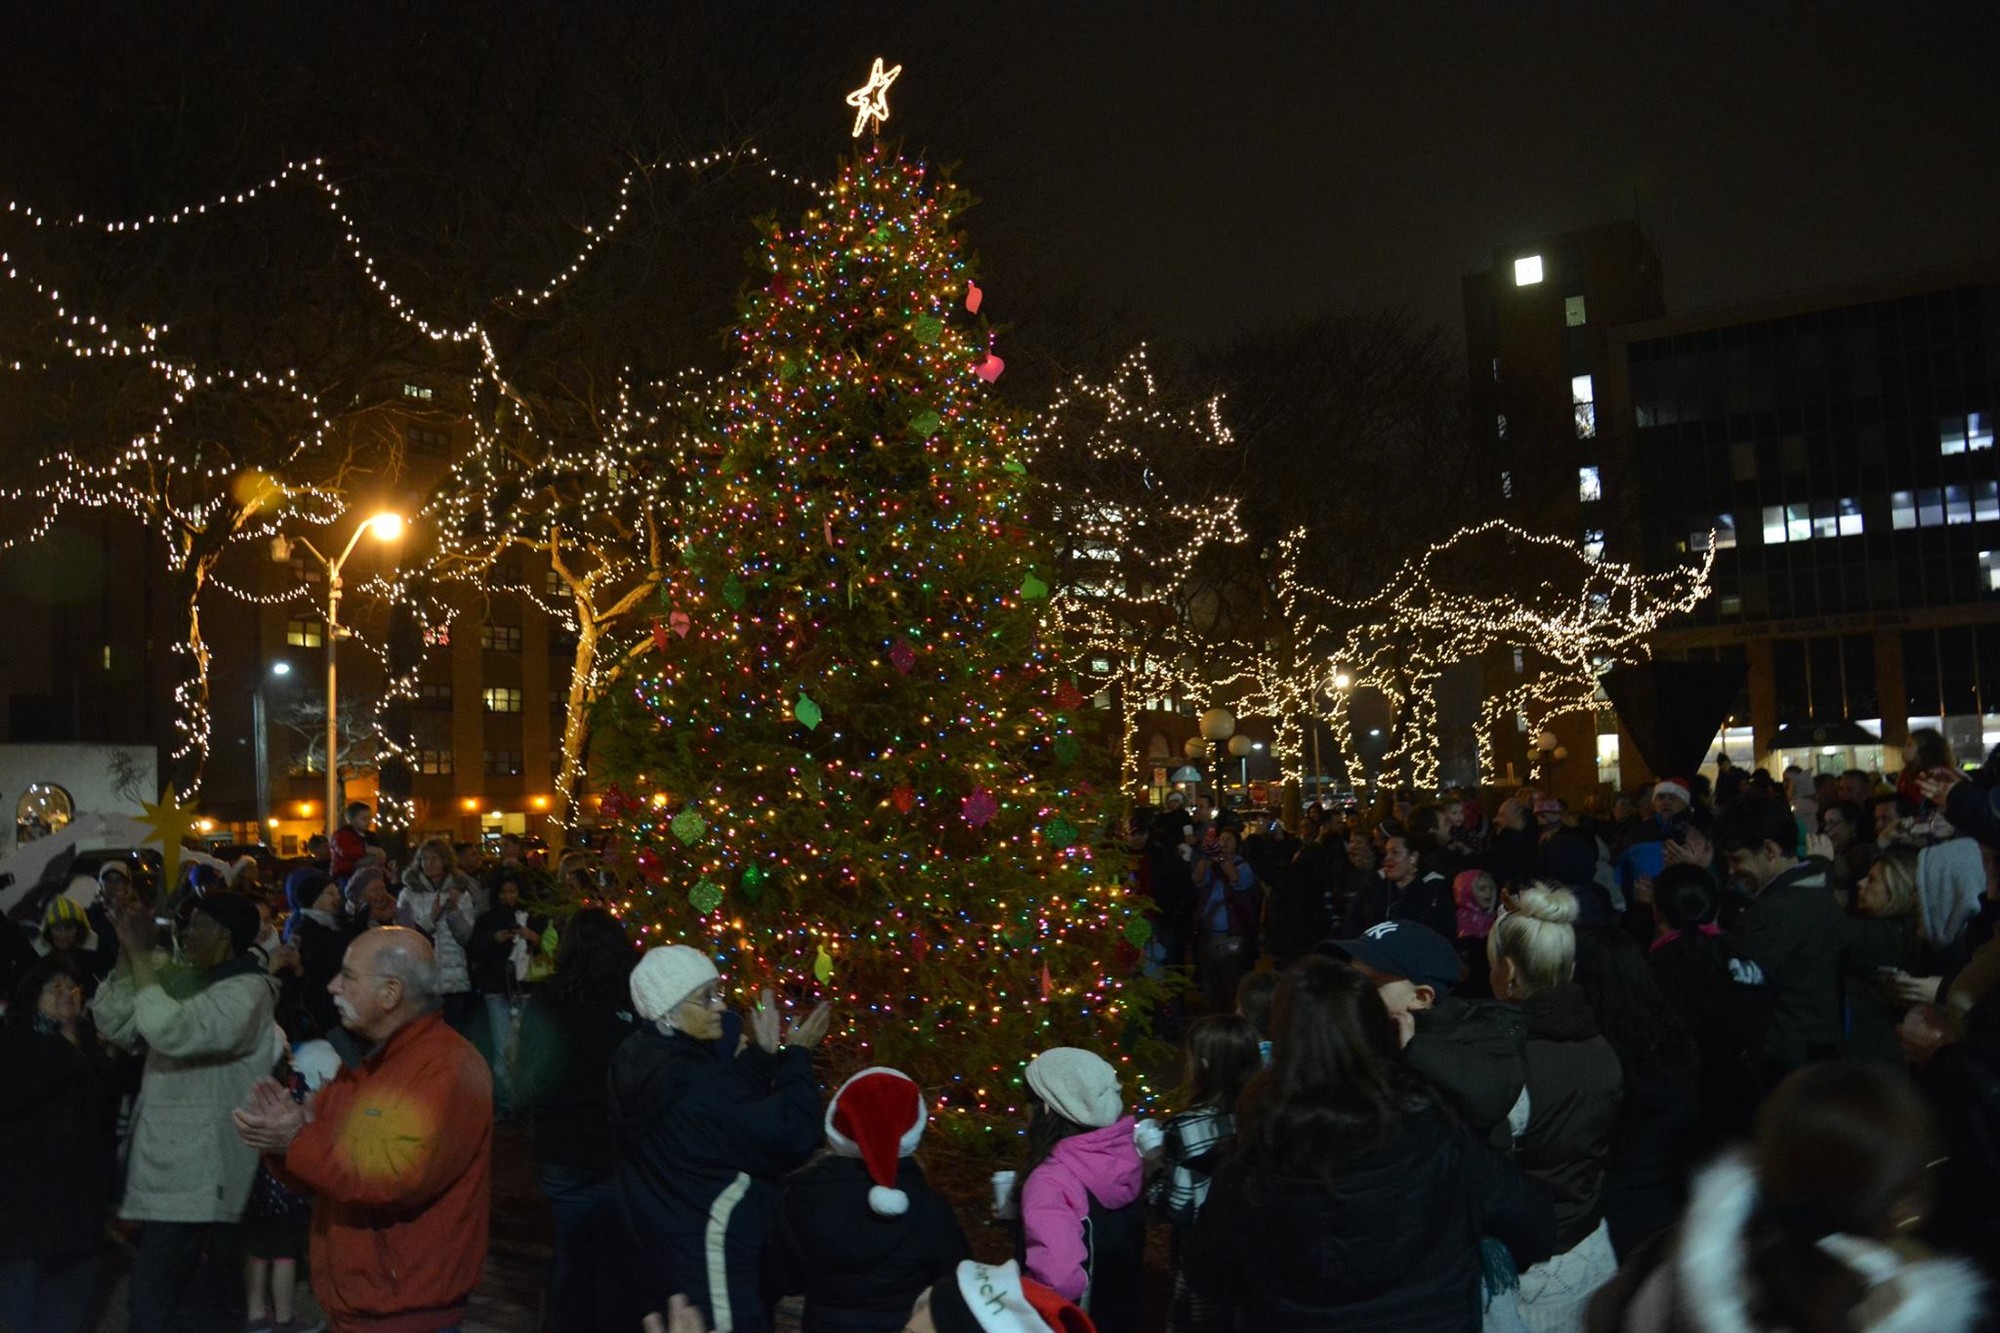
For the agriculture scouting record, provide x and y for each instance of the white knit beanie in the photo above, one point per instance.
(1078, 1086)
(666, 976)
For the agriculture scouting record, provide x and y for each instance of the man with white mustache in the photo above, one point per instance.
(396, 1150)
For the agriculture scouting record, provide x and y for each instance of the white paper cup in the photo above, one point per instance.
(1003, 1195)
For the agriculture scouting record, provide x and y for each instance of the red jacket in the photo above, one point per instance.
(399, 1159)
(344, 852)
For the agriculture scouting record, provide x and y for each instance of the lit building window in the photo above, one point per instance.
(1593, 544)
(1583, 394)
(1957, 505)
(498, 699)
(1729, 604)
(433, 763)
(1821, 518)
(1527, 270)
(1724, 532)
(1850, 518)
(500, 638)
(1589, 485)
(1989, 570)
(1957, 435)
(1572, 311)
(417, 391)
(305, 632)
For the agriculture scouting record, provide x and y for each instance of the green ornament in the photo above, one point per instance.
(807, 712)
(1137, 931)
(1015, 466)
(1068, 748)
(1033, 588)
(688, 825)
(753, 882)
(1017, 935)
(788, 369)
(881, 234)
(926, 423)
(929, 329)
(1061, 833)
(704, 897)
(732, 593)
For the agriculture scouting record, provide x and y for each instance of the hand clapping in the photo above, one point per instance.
(270, 1119)
(807, 1032)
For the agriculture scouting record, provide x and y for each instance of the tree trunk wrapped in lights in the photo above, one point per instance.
(850, 768)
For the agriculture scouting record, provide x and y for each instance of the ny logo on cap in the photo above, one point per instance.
(1381, 930)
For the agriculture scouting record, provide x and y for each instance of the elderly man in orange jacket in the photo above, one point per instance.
(397, 1151)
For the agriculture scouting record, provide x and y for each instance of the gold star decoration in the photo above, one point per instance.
(170, 822)
(871, 100)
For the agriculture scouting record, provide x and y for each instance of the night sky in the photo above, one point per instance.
(1180, 170)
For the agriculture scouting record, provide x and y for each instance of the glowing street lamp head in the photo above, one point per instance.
(386, 526)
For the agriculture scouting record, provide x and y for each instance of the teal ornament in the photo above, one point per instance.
(1033, 588)
(929, 328)
(732, 593)
(926, 423)
(1068, 748)
(704, 897)
(688, 825)
(753, 882)
(807, 712)
(1137, 931)
(1060, 832)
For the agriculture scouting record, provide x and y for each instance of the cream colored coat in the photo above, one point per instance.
(203, 1053)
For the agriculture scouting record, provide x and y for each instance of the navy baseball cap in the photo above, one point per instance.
(1406, 949)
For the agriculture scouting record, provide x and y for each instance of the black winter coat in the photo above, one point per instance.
(1426, 899)
(490, 961)
(1727, 1018)
(1792, 931)
(58, 1112)
(703, 1142)
(321, 951)
(1574, 1084)
(1473, 1055)
(1390, 1242)
(860, 1271)
(563, 1062)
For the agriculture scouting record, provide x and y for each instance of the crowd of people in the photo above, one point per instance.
(1709, 1059)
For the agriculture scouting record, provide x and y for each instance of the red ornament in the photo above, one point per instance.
(615, 804)
(973, 296)
(902, 657)
(659, 636)
(980, 807)
(1068, 696)
(650, 864)
(903, 798)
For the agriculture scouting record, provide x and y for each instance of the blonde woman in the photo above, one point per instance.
(1880, 943)
(1563, 1119)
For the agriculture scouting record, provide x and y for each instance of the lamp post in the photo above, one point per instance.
(387, 526)
(261, 732)
(1217, 726)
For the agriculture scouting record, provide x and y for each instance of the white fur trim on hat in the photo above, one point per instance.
(1077, 1085)
(1668, 787)
(883, 1196)
(666, 976)
(993, 1293)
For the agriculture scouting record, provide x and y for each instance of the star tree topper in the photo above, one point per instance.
(170, 822)
(871, 100)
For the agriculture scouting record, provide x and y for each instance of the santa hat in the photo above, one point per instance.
(1673, 787)
(878, 1116)
(995, 1298)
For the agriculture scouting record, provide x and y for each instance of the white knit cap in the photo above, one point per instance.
(1078, 1086)
(666, 976)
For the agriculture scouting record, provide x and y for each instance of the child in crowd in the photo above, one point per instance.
(274, 1222)
(1083, 1226)
(1222, 1055)
(861, 1232)
(1253, 1002)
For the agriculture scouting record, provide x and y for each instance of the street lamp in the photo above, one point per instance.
(261, 732)
(387, 527)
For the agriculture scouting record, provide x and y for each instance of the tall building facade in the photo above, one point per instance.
(1838, 450)
(1539, 336)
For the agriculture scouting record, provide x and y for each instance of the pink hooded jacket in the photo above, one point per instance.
(1055, 1201)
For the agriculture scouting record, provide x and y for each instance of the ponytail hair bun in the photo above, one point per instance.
(1537, 932)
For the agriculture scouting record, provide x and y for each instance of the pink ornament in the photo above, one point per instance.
(1048, 982)
(973, 296)
(679, 623)
(980, 807)
(902, 657)
(989, 368)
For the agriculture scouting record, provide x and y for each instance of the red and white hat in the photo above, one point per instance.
(879, 1116)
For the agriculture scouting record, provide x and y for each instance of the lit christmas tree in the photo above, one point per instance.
(850, 769)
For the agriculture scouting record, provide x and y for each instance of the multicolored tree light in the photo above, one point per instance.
(852, 768)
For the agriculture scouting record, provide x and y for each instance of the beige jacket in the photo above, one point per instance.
(203, 1053)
